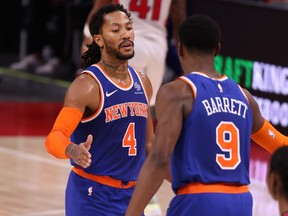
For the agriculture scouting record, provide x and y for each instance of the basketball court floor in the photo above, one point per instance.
(32, 182)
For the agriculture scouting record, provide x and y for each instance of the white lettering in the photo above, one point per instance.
(214, 107)
(273, 111)
(270, 78)
(207, 107)
(227, 105)
(219, 104)
(233, 101)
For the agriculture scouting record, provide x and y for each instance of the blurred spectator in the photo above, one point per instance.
(173, 67)
(44, 22)
(277, 178)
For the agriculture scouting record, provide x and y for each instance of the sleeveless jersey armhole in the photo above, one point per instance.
(101, 98)
(191, 84)
(244, 94)
(143, 84)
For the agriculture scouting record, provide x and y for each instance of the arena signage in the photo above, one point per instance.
(268, 84)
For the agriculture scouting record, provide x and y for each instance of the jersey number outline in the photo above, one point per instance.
(141, 6)
(129, 140)
(228, 140)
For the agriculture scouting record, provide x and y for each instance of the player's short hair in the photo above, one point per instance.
(199, 33)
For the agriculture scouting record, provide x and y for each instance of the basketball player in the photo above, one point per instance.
(277, 178)
(149, 22)
(205, 122)
(106, 113)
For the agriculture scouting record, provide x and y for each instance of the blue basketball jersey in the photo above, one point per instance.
(118, 127)
(214, 144)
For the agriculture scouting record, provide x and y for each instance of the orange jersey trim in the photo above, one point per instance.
(128, 86)
(269, 138)
(243, 94)
(191, 84)
(143, 85)
(58, 139)
(101, 98)
(195, 188)
(105, 180)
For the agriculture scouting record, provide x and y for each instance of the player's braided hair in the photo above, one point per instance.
(279, 165)
(93, 54)
(199, 33)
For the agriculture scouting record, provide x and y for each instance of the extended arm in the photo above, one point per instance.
(77, 99)
(58, 139)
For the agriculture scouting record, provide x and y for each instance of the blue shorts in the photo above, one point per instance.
(85, 197)
(211, 204)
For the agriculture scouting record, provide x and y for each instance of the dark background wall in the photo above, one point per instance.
(9, 26)
(251, 30)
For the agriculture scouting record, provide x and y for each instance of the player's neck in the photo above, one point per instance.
(283, 207)
(116, 71)
(205, 69)
(114, 67)
(200, 63)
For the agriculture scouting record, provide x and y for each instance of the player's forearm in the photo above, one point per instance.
(177, 15)
(56, 144)
(269, 138)
(58, 139)
(149, 181)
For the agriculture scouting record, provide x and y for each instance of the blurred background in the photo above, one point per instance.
(40, 44)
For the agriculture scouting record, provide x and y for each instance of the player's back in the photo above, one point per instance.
(214, 145)
(149, 17)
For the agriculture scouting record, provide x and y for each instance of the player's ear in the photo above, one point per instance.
(217, 49)
(180, 49)
(98, 40)
(274, 185)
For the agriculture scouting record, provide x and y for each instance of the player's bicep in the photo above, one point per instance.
(170, 104)
(258, 119)
(149, 132)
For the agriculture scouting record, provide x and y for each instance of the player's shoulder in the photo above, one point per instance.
(84, 82)
(175, 89)
(141, 74)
